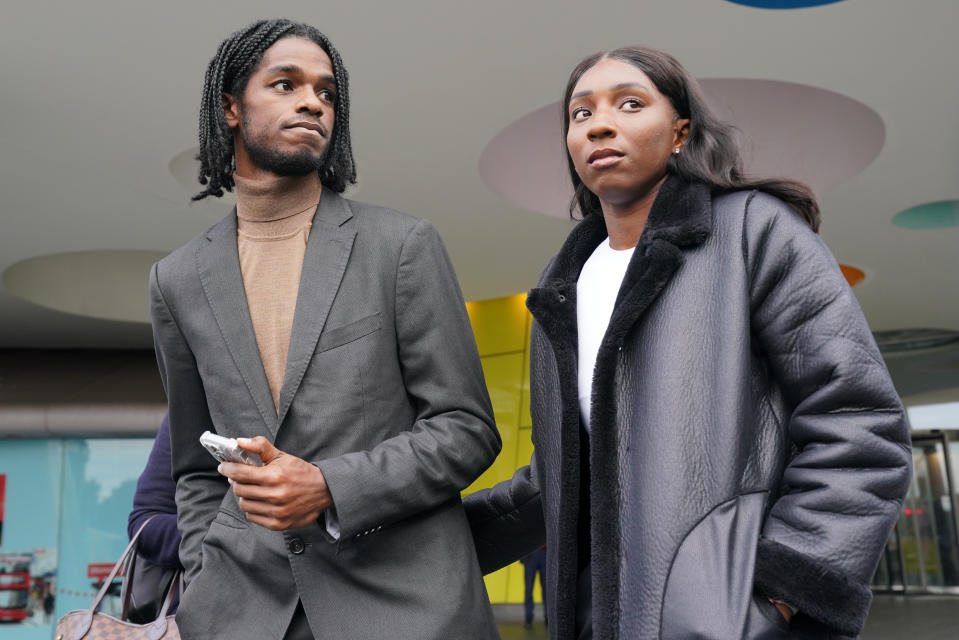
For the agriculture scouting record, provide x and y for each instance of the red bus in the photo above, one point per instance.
(14, 595)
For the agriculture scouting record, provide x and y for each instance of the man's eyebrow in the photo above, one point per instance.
(284, 68)
(617, 87)
(293, 69)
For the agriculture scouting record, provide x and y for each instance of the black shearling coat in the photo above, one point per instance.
(746, 439)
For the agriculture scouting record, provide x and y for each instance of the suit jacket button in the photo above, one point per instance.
(296, 546)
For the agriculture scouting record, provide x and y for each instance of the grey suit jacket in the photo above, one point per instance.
(383, 391)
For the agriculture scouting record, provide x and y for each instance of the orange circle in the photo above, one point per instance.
(853, 275)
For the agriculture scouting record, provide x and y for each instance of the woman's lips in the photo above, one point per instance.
(604, 158)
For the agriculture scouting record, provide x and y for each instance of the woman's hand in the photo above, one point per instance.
(783, 609)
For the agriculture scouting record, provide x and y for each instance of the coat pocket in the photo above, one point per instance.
(228, 519)
(708, 593)
(344, 334)
(764, 621)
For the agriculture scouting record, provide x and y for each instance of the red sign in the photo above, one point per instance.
(99, 571)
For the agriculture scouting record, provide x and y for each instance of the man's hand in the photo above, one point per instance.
(285, 493)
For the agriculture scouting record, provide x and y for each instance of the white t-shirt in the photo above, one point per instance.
(596, 292)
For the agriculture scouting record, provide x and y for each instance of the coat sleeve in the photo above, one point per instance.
(842, 491)
(154, 497)
(507, 519)
(453, 438)
(199, 488)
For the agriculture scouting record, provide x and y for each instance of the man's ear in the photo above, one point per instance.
(231, 111)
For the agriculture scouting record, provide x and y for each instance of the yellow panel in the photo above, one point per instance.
(524, 447)
(507, 584)
(524, 418)
(503, 376)
(515, 582)
(499, 324)
(502, 329)
(496, 585)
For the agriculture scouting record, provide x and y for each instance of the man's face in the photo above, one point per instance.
(283, 122)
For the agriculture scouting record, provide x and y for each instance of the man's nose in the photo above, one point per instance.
(307, 100)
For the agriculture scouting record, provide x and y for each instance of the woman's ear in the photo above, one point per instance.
(680, 132)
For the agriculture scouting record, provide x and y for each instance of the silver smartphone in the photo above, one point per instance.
(227, 450)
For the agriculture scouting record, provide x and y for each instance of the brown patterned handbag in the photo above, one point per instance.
(91, 624)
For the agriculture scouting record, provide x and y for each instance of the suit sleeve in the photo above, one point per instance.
(507, 520)
(453, 438)
(199, 488)
(843, 489)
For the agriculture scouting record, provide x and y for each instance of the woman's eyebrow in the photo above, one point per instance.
(617, 87)
(629, 85)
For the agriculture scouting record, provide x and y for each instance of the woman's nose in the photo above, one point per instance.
(600, 126)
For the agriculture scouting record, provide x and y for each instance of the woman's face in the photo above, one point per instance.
(622, 131)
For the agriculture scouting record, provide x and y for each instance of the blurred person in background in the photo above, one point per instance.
(155, 496)
(154, 500)
(533, 564)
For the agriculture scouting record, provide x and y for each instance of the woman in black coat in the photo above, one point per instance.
(719, 450)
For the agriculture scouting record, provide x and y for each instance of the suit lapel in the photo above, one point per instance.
(327, 252)
(218, 265)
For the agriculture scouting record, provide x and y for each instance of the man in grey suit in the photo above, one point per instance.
(330, 337)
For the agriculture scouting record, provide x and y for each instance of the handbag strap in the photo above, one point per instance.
(130, 575)
(119, 564)
(158, 627)
(83, 625)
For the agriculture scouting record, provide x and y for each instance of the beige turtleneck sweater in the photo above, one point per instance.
(274, 217)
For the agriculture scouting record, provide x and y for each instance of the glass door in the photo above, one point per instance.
(925, 535)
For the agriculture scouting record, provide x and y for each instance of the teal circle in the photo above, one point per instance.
(932, 215)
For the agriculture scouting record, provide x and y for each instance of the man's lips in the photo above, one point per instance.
(604, 157)
(310, 126)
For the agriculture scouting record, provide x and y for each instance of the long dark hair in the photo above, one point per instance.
(229, 71)
(710, 154)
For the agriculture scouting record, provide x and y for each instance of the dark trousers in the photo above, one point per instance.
(532, 564)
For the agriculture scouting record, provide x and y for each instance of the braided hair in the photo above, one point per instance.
(229, 71)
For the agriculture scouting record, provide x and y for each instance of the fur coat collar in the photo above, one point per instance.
(680, 220)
